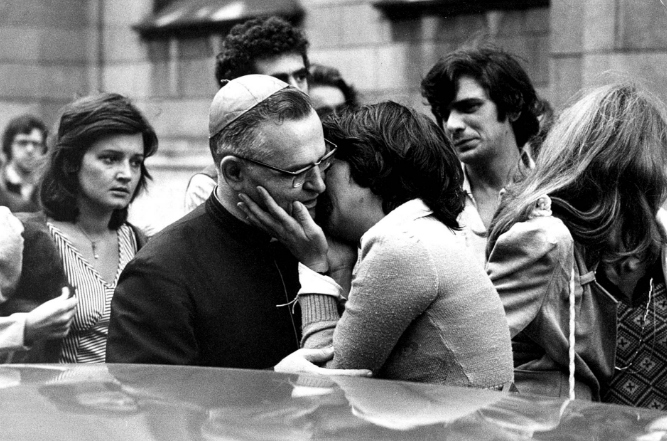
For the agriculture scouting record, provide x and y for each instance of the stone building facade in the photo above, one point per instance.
(55, 50)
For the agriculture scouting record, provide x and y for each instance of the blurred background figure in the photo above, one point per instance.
(81, 239)
(50, 320)
(24, 147)
(267, 46)
(328, 91)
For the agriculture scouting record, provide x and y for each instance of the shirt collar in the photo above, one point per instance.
(404, 213)
(237, 228)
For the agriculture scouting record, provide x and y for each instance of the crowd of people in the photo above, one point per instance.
(497, 245)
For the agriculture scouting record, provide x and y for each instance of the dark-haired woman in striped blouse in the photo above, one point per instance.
(82, 239)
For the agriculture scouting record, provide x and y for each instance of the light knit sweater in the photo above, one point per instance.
(420, 308)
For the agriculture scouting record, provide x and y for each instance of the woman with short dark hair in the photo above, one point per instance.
(82, 238)
(419, 307)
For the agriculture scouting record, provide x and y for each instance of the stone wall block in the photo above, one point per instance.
(131, 79)
(506, 23)
(121, 43)
(197, 78)
(647, 69)
(63, 14)
(324, 27)
(599, 36)
(567, 23)
(29, 81)
(462, 29)
(641, 25)
(126, 12)
(399, 66)
(363, 24)
(179, 119)
(42, 44)
(538, 20)
(565, 79)
(357, 65)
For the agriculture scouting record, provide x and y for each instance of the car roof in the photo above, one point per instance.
(121, 402)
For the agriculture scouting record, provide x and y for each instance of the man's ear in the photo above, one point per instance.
(512, 117)
(232, 171)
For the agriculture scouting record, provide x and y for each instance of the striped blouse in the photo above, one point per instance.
(87, 339)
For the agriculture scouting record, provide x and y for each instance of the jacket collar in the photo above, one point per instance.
(240, 230)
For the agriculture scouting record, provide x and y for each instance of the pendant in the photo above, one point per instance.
(95, 255)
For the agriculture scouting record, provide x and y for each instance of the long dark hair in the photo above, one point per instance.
(80, 125)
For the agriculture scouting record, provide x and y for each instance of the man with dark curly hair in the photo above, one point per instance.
(268, 46)
(486, 102)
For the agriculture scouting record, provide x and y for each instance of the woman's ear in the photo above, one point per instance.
(232, 171)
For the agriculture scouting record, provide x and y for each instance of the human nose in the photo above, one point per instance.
(455, 122)
(31, 147)
(292, 81)
(124, 172)
(315, 181)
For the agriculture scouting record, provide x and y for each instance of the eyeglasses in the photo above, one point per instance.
(299, 176)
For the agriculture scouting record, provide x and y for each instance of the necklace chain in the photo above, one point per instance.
(649, 302)
(93, 243)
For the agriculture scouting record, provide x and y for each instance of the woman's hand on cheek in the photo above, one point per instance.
(298, 232)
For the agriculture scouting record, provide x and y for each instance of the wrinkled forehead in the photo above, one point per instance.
(281, 64)
(292, 141)
(468, 86)
(29, 134)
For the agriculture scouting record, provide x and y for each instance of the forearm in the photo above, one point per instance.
(318, 299)
(319, 315)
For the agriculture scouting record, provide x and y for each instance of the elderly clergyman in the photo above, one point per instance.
(208, 289)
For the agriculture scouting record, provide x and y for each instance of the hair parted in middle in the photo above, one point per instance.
(603, 165)
(400, 155)
(498, 73)
(255, 39)
(80, 124)
(241, 138)
(23, 124)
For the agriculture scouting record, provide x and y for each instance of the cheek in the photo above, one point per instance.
(17, 152)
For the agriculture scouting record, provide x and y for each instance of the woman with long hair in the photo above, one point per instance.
(579, 237)
(82, 238)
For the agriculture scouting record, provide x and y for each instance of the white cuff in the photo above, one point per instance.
(12, 330)
(315, 283)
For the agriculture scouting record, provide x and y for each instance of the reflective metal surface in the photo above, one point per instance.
(124, 402)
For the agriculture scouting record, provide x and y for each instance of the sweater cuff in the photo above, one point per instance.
(317, 308)
(315, 283)
(13, 331)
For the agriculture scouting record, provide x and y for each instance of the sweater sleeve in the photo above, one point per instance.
(151, 318)
(12, 330)
(318, 299)
(395, 282)
(527, 264)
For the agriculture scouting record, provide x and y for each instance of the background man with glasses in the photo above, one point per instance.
(23, 146)
(212, 290)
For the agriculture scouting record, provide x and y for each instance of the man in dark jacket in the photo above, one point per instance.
(211, 290)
